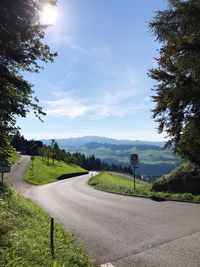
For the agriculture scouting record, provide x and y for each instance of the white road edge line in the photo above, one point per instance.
(108, 264)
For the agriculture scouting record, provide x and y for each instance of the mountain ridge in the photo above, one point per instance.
(79, 141)
(153, 160)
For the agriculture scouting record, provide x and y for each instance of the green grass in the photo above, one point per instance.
(24, 236)
(118, 184)
(14, 157)
(43, 173)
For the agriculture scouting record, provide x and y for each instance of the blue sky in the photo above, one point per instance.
(98, 85)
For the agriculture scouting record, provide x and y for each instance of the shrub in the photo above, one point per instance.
(184, 179)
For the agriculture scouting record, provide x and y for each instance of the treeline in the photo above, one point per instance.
(52, 152)
(24, 146)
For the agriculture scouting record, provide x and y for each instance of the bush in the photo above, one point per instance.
(184, 179)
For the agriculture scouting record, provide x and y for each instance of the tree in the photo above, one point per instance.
(177, 93)
(55, 150)
(18, 141)
(21, 48)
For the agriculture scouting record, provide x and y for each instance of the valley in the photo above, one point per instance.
(154, 161)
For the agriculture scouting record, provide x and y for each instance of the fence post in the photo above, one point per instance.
(52, 237)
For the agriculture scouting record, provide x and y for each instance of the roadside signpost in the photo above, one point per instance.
(4, 169)
(32, 159)
(52, 237)
(134, 164)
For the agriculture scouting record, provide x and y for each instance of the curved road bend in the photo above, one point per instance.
(125, 231)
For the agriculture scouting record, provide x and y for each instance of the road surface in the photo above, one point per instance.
(125, 231)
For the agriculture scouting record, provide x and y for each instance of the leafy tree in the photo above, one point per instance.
(21, 49)
(18, 141)
(5, 149)
(56, 151)
(177, 93)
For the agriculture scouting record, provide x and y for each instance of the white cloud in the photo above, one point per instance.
(111, 104)
(117, 104)
(65, 106)
(120, 100)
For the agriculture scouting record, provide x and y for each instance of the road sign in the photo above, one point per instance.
(134, 159)
(134, 163)
(5, 168)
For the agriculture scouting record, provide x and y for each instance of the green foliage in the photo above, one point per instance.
(189, 144)
(13, 157)
(184, 179)
(21, 48)
(43, 172)
(24, 236)
(177, 94)
(6, 149)
(119, 184)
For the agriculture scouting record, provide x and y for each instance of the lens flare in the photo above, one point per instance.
(49, 14)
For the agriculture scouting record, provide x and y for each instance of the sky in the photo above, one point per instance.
(98, 84)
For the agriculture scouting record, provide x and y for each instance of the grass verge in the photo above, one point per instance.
(24, 236)
(42, 172)
(118, 184)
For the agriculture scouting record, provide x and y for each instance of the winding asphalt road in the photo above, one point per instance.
(126, 231)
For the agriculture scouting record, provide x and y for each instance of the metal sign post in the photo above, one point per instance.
(52, 237)
(32, 159)
(134, 162)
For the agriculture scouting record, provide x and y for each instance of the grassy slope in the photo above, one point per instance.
(116, 183)
(24, 236)
(43, 173)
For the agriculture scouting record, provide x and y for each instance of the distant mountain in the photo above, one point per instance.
(153, 161)
(81, 141)
(95, 145)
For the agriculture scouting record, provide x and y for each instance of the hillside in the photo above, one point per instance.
(42, 172)
(153, 160)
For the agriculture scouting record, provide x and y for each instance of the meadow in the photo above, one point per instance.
(43, 172)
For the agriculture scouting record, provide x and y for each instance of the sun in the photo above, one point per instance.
(49, 14)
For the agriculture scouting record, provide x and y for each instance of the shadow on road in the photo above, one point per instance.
(158, 199)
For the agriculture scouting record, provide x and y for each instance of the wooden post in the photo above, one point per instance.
(52, 237)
